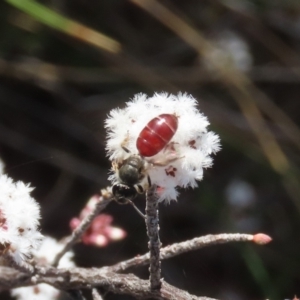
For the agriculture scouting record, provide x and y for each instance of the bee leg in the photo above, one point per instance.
(125, 142)
(139, 189)
(149, 181)
(115, 166)
(135, 207)
(125, 149)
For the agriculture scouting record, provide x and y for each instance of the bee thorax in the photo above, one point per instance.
(131, 171)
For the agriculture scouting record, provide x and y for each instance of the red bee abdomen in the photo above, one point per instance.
(156, 134)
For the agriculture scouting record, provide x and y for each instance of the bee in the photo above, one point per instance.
(131, 173)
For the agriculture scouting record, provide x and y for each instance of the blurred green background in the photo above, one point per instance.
(65, 64)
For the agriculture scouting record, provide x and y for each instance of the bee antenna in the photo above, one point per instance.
(135, 207)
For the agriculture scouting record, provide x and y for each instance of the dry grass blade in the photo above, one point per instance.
(265, 36)
(287, 55)
(56, 21)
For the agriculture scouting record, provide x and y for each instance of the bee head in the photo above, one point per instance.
(123, 193)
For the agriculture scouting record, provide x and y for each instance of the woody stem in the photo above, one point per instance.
(152, 224)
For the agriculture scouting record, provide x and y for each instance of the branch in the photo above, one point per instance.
(191, 245)
(129, 284)
(80, 278)
(22, 266)
(152, 224)
(10, 278)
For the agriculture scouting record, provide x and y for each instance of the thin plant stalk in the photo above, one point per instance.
(152, 224)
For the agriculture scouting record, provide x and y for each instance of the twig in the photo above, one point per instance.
(152, 224)
(96, 295)
(23, 266)
(50, 73)
(191, 245)
(77, 233)
(10, 278)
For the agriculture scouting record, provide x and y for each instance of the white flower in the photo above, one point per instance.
(37, 292)
(230, 50)
(48, 251)
(45, 255)
(182, 160)
(19, 220)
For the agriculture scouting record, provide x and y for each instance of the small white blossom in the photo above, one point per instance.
(182, 161)
(230, 50)
(49, 249)
(19, 220)
(45, 255)
(41, 291)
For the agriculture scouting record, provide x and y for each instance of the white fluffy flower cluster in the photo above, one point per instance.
(182, 160)
(19, 220)
(45, 255)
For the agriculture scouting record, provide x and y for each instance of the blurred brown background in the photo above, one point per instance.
(239, 58)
